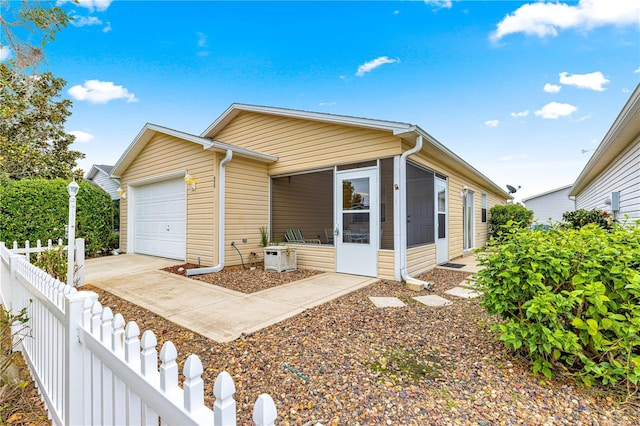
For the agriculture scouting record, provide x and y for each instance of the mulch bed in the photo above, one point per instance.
(247, 281)
(347, 362)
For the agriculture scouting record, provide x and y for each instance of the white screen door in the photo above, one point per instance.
(442, 225)
(357, 222)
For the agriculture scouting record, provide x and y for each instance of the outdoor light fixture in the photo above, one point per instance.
(121, 193)
(72, 189)
(190, 180)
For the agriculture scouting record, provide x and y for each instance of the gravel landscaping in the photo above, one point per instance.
(348, 362)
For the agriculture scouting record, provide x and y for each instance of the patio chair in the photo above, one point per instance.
(295, 236)
(328, 232)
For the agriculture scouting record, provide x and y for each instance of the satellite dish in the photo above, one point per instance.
(512, 190)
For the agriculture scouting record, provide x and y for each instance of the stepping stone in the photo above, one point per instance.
(433, 300)
(468, 283)
(464, 292)
(387, 302)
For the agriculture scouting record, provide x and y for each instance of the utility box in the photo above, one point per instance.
(280, 259)
(615, 201)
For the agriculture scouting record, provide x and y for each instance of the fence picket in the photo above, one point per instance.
(106, 330)
(149, 369)
(119, 390)
(91, 368)
(224, 408)
(264, 411)
(132, 357)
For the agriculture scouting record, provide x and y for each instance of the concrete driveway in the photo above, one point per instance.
(215, 312)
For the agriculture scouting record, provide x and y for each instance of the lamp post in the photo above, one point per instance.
(72, 189)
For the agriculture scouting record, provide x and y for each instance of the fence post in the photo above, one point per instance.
(74, 378)
(27, 253)
(79, 262)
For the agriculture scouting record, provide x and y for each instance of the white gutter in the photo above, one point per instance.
(221, 222)
(403, 216)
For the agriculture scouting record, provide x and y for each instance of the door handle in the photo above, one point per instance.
(337, 231)
(168, 227)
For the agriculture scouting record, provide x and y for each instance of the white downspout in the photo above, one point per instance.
(403, 216)
(221, 221)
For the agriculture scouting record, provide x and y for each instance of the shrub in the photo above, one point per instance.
(506, 216)
(582, 217)
(33, 209)
(569, 298)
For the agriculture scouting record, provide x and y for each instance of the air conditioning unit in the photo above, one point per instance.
(280, 259)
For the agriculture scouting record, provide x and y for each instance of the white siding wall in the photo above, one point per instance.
(622, 175)
(550, 207)
(110, 186)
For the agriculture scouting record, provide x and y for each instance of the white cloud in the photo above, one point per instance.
(107, 28)
(544, 19)
(83, 21)
(100, 92)
(492, 123)
(637, 71)
(5, 53)
(81, 136)
(520, 114)
(552, 88)
(593, 81)
(323, 104)
(439, 4)
(507, 158)
(556, 110)
(203, 40)
(92, 5)
(371, 65)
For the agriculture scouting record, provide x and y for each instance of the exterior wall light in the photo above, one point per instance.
(190, 181)
(121, 193)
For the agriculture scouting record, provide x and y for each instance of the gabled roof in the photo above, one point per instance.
(98, 168)
(150, 130)
(546, 193)
(624, 130)
(406, 131)
(235, 109)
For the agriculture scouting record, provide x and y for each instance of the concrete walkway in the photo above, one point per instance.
(215, 312)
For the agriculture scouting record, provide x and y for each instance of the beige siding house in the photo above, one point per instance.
(610, 181)
(370, 197)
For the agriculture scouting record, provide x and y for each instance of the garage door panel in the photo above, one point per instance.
(160, 219)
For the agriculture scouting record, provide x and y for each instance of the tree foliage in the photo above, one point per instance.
(569, 299)
(38, 209)
(33, 142)
(23, 21)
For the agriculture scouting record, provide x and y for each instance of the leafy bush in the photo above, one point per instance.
(33, 209)
(570, 299)
(582, 217)
(506, 216)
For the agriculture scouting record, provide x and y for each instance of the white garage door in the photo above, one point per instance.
(161, 219)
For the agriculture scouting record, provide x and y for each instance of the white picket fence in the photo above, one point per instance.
(91, 367)
(27, 250)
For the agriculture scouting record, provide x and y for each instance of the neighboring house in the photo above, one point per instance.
(100, 175)
(384, 198)
(549, 206)
(610, 181)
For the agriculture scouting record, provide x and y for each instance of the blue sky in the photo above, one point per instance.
(517, 89)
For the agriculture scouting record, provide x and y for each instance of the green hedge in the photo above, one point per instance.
(504, 217)
(581, 217)
(569, 298)
(38, 209)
